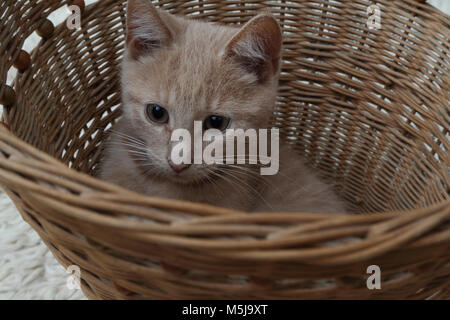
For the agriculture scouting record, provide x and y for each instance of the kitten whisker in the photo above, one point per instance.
(256, 176)
(242, 166)
(248, 185)
(129, 138)
(213, 183)
(219, 176)
(120, 144)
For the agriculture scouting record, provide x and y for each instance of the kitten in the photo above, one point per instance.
(176, 71)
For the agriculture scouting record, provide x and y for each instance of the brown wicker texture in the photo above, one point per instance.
(368, 108)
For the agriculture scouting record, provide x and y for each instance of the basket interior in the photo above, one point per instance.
(368, 108)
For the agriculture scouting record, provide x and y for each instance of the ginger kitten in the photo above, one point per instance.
(177, 71)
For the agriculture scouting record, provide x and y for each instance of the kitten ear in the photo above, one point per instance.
(257, 47)
(146, 29)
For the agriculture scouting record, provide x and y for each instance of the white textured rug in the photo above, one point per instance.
(27, 268)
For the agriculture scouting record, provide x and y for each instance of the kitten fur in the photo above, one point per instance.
(194, 70)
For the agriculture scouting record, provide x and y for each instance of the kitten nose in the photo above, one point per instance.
(178, 168)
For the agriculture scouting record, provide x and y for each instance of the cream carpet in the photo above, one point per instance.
(27, 268)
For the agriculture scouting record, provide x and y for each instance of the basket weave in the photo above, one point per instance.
(368, 108)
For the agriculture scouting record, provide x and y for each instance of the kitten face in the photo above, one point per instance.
(191, 71)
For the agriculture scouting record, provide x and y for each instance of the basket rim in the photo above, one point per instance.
(7, 136)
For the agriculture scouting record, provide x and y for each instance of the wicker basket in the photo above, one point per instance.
(368, 108)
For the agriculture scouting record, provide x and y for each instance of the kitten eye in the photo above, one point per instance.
(157, 113)
(217, 122)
